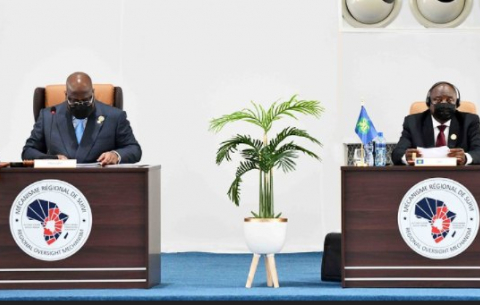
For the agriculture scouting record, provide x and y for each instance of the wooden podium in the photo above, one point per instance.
(123, 248)
(374, 254)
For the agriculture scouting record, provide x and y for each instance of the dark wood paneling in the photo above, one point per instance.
(414, 273)
(371, 198)
(120, 202)
(74, 285)
(72, 275)
(411, 284)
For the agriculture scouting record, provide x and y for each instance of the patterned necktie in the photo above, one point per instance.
(79, 129)
(441, 136)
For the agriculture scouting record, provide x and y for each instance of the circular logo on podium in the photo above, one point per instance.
(50, 220)
(438, 218)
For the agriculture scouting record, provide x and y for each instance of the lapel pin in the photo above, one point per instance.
(100, 119)
(453, 137)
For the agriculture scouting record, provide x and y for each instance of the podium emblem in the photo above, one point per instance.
(438, 218)
(50, 220)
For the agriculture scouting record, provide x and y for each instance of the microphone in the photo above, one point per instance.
(374, 154)
(53, 111)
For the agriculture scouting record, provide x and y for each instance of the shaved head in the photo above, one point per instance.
(79, 83)
(79, 95)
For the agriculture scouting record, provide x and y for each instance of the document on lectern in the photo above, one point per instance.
(126, 165)
(436, 156)
(434, 152)
(94, 164)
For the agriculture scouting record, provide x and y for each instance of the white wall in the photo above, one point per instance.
(393, 67)
(183, 62)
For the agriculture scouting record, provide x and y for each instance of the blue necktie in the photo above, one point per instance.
(79, 130)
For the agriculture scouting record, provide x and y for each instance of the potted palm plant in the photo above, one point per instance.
(265, 232)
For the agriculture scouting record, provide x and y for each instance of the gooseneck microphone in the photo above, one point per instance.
(53, 111)
(374, 154)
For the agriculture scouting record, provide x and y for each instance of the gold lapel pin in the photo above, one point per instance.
(453, 137)
(100, 119)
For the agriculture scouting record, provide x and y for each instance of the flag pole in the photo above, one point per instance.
(362, 150)
(362, 163)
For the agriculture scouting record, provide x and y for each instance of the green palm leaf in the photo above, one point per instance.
(293, 147)
(289, 108)
(293, 105)
(231, 146)
(265, 118)
(234, 191)
(285, 154)
(263, 155)
(285, 162)
(245, 115)
(288, 132)
(251, 154)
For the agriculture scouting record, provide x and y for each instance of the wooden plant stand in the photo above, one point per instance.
(272, 277)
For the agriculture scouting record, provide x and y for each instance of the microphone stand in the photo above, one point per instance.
(374, 154)
(53, 111)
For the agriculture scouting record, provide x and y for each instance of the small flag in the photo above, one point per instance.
(364, 128)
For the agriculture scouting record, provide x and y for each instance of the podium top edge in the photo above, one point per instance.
(126, 168)
(408, 168)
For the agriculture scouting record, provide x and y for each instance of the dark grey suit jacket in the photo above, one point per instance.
(53, 134)
(418, 132)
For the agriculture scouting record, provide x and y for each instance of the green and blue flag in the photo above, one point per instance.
(364, 128)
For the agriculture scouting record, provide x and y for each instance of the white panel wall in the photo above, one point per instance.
(180, 64)
(42, 42)
(392, 70)
(186, 62)
(395, 66)
(183, 62)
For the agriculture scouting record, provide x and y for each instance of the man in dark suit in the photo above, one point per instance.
(83, 128)
(441, 125)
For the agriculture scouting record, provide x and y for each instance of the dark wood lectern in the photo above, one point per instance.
(374, 253)
(123, 248)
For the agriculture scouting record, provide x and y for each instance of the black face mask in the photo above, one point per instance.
(444, 111)
(81, 111)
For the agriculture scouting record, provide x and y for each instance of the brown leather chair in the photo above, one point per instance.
(52, 95)
(465, 106)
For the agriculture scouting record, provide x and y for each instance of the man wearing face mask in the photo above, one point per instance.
(83, 128)
(441, 125)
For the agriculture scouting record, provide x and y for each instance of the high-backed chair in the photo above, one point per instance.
(52, 95)
(465, 106)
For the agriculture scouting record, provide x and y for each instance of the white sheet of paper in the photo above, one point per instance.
(127, 165)
(434, 152)
(94, 164)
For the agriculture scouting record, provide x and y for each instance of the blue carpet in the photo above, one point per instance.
(204, 276)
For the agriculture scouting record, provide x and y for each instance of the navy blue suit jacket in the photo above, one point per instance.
(107, 129)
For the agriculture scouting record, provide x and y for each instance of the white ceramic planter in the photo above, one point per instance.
(265, 235)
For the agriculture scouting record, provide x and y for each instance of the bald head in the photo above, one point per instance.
(79, 86)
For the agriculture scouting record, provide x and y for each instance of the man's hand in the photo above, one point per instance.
(62, 157)
(409, 155)
(459, 154)
(108, 157)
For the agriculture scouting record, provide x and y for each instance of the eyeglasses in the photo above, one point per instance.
(439, 100)
(75, 102)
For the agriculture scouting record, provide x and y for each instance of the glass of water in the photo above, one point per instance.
(358, 157)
